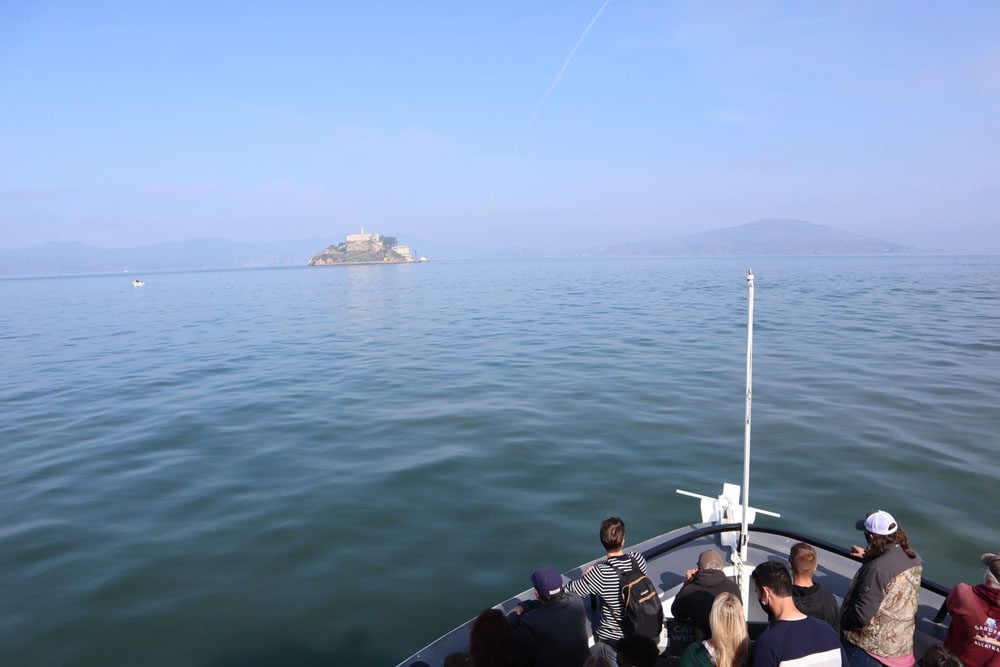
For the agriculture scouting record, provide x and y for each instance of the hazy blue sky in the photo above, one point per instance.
(124, 123)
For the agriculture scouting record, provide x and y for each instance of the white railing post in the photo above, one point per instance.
(744, 534)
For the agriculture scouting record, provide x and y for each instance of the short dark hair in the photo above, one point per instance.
(938, 656)
(802, 558)
(612, 533)
(490, 641)
(773, 575)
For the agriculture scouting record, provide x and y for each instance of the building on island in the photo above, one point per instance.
(365, 248)
(362, 237)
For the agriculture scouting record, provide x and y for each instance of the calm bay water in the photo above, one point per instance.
(335, 466)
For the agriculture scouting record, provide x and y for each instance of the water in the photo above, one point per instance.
(335, 466)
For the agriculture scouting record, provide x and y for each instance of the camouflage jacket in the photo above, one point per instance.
(879, 612)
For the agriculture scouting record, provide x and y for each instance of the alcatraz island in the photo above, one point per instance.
(366, 249)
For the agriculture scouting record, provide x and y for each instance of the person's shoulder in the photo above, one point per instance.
(806, 631)
(692, 652)
(607, 566)
(815, 622)
(804, 624)
(897, 556)
(825, 594)
(615, 563)
(634, 555)
(691, 649)
(603, 572)
(960, 590)
(571, 600)
(771, 635)
(817, 627)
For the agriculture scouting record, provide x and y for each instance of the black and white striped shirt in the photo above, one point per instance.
(602, 581)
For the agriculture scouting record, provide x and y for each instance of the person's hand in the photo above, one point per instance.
(589, 568)
(689, 575)
(857, 552)
(518, 610)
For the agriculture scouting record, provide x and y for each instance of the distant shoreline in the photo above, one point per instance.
(276, 267)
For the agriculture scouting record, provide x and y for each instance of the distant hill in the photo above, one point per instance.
(206, 253)
(772, 236)
(515, 253)
(764, 237)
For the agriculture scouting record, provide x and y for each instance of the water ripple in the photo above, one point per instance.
(192, 470)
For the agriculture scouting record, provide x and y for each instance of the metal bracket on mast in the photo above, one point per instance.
(726, 508)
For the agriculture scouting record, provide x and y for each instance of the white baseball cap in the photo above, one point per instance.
(878, 522)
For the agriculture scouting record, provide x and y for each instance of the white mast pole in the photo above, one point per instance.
(744, 534)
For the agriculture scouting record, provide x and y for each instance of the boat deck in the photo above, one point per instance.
(669, 556)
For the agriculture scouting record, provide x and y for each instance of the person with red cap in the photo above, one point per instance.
(552, 630)
(974, 633)
(878, 616)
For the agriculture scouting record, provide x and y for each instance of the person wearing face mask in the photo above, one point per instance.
(793, 637)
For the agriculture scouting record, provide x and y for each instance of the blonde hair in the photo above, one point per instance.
(729, 631)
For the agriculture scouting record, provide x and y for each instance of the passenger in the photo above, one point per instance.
(637, 651)
(974, 634)
(793, 638)
(809, 598)
(490, 643)
(602, 580)
(702, 584)
(729, 645)
(879, 613)
(552, 630)
(938, 656)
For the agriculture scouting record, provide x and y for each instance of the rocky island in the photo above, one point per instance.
(365, 249)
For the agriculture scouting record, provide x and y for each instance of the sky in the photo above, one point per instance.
(478, 124)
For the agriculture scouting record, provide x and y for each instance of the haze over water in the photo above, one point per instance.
(335, 466)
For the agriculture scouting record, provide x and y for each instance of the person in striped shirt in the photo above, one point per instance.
(602, 580)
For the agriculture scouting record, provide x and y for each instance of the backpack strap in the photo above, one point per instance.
(631, 559)
(613, 567)
(635, 563)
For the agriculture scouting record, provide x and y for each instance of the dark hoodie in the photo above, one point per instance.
(694, 601)
(551, 632)
(814, 601)
(974, 633)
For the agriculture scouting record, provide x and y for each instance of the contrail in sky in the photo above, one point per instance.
(559, 76)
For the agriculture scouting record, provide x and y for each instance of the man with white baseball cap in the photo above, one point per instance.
(879, 611)
(974, 633)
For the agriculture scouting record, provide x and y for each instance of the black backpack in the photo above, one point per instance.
(642, 613)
